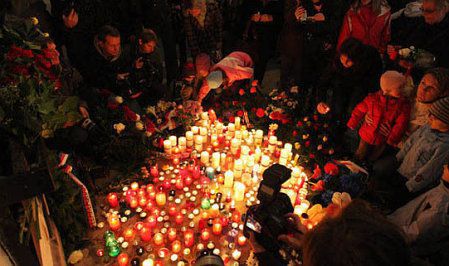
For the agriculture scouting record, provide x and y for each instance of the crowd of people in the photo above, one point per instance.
(357, 61)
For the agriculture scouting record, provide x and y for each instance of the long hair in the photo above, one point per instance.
(376, 5)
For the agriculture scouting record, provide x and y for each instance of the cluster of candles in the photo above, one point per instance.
(195, 202)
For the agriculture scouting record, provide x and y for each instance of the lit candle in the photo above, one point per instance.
(176, 246)
(272, 143)
(215, 159)
(257, 155)
(123, 259)
(198, 143)
(217, 228)
(205, 234)
(235, 144)
(158, 239)
(171, 234)
(189, 238)
(195, 130)
(228, 179)
(210, 172)
(205, 158)
(167, 146)
(182, 143)
(112, 199)
(114, 222)
(145, 232)
(148, 262)
(219, 128)
(237, 122)
(151, 221)
(129, 234)
(189, 138)
(179, 218)
(173, 140)
(161, 198)
(214, 210)
(239, 191)
(241, 240)
(258, 137)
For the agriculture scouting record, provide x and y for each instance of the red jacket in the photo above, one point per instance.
(390, 111)
(364, 25)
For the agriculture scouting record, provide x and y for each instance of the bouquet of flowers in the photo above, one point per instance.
(336, 176)
(418, 57)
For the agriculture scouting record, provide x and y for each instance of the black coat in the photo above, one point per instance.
(432, 38)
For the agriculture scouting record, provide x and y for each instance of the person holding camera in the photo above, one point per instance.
(146, 74)
(358, 235)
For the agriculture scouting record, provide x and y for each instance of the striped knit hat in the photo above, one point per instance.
(440, 109)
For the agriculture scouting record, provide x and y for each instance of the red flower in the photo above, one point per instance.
(149, 125)
(253, 90)
(231, 119)
(242, 92)
(312, 156)
(331, 169)
(316, 172)
(240, 113)
(243, 103)
(295, 133)
(129, 114)
(299, 124)
(20, 70)
(16, 52)
(260, 112)
(275, 115)
(319, 186)
(315, 117)
(307, 144)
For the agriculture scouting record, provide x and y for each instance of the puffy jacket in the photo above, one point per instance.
(371, 29)
(393, 112)
(236, 66)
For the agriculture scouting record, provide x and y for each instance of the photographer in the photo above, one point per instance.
(358, 235)
(146, 76)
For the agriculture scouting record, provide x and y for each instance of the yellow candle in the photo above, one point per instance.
(215, 159)
(239, 191)
(205, 158)
(237, 123)
(195, 130)
(257, 155)
(228, 179)
(173, 140)
(167, 146)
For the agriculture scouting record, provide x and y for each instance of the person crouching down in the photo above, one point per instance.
(385, 115)
(236, 66)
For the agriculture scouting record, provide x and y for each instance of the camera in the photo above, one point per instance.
(267, 219)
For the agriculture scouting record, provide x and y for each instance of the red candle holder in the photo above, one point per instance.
(188, 181)
(171, 234)
(145, 233)
(189, 238)
(142, 201)
(179, 184)
(241, 240)
(217, 228)
(133, 203)
(158, 239)
(134, 186)
(112, 199)
(176, 246)
(129, 234)
(123, 259)
(114, 222)
(179, 218)
(151, 221)
(154, 171)
(205, 234)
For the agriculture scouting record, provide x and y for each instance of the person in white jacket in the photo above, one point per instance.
(425, 221)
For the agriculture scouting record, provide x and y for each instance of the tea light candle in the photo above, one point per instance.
(217, 228)
(158, 239)
(239, 191)
(205, 234)
(236, 254)
(228, 179)
(112, 199)
(176, 246)
(171, 234)
(241, 240)
(148, 262)
(129, 234)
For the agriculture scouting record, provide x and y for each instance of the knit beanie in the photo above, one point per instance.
(440, 109)
(214, 79)
(392, 79)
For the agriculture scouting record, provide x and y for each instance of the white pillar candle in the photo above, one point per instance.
(205, 158)
(231, 127)
(189, 138)
(284, 157)
(198, 143)
(238, 134)
(245, 134)
(239, 191)
(213, 138)
(257, 155)
(203, 133)
(272, 143)
(167, 146)
(258, 137)
(238, 169)
(288, 146)
(195, 130)
(173, 140)
(205, 115)
(235, 143)
(182, 143)
(219, 128)
(228, 179)
(215, 159)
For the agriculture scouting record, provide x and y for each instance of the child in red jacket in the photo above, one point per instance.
(384, 116)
